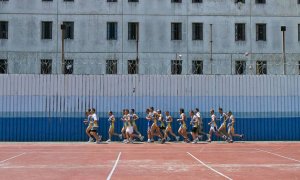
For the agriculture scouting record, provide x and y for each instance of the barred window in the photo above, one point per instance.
(197, 31)
(176, 31)
(112, 30)
(133, 30)
(46, 66)
(261, 32)
(69, 66)
(133, 67)
(176, 66)
(111, 66)
(260, 1)
(197, 67)
(299, 31)
(3, 29)
(240, 32)
(261, 67)
(3, 66)
(239, 1)
(69, 30)
(176, 1)
(46, 30)
(240, 67)
(196, 1)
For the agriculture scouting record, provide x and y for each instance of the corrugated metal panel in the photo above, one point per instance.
(51, 108)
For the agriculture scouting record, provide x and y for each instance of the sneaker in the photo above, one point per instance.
(186, 141)
(141, 138)
(152, 140)
(209, 140)
(208, 136)
(194, 142)
(163, 141)
(168, 139)
(177, 138)
(120, 136)
(108, 140)
(91, 140)
(200, 137)
(100, 137)
(159, 139)
(97, 142)
(124, 140)
(224, 137)
(242, 137)
(149, 141)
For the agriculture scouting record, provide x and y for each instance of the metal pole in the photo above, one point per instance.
(62, 27)
(284, 57)
(283, 29)
(211, 44)
(137, 48)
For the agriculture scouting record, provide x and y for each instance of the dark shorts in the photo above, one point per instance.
(94, 129)
(194, 129)
(162, 127)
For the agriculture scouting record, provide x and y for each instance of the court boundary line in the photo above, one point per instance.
(275, 154)
(12, 157)
(209, 167)
(114, 167)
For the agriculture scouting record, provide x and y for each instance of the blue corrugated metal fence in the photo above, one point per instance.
(51, 107)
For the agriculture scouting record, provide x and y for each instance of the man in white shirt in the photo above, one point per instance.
(94, 129)
(200, 125)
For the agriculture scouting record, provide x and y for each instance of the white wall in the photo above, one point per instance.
(24, 48)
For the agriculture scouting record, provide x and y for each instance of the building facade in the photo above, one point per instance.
(150, 37)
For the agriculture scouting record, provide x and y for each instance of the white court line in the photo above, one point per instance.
(11, 158)
(209, 166)
(114, 167)
(278, 155)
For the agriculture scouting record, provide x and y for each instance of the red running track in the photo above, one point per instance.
(260, 160)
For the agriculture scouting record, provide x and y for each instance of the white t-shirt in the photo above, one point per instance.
(200, 119)
(198, 114)
(94, 117)
(230, 119)
(213, 117)
(194, 119)
(223, 117)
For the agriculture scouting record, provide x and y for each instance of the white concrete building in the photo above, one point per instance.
(182, 30)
